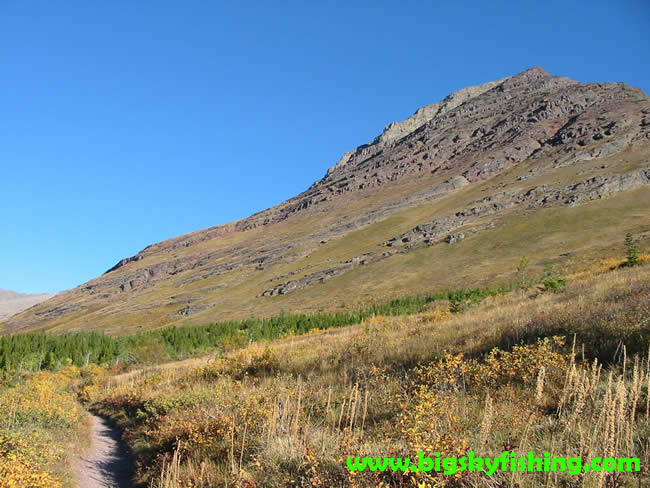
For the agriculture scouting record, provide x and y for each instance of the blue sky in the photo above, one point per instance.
(124, 123)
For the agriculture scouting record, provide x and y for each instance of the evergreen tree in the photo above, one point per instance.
(631, 250)
(521, 272)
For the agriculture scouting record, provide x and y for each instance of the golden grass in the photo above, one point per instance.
(288, 412)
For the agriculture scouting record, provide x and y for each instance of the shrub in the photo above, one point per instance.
(631, 251)
(522, 268)
(551, 280)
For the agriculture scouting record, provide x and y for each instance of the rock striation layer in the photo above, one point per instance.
(446, 175)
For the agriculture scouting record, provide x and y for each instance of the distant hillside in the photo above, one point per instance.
(533, 164)
(11, 302)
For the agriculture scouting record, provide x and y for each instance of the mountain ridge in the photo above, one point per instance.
(452, 177)
(361, 152)
(396, 129)
(12, 302)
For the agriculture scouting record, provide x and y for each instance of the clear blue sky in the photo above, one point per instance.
(123, 123)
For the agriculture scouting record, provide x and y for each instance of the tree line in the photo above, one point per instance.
(41, 350)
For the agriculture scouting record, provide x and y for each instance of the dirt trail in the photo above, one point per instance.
(108, 463)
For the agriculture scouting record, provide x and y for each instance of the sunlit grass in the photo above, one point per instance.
(288, 412)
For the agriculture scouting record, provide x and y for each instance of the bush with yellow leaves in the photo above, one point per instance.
(457, 404)
(38, 412)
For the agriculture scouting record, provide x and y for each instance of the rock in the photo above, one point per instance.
(452, 238)
(191, 310)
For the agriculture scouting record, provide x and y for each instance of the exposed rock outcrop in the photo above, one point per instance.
(439, 230)
(528, 142)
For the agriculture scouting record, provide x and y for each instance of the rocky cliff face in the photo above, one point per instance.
(452, 171)
(397, 130)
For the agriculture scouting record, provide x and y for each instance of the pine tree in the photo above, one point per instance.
(631, 251)
(49, 362)
(521, 272)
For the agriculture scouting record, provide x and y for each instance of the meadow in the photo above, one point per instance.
(557, 364)
(533, 370)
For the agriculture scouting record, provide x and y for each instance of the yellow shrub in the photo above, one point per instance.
(43, 402)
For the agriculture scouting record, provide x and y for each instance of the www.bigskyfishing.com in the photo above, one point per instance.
(508, 461)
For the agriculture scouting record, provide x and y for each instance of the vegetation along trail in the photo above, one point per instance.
(108, 463)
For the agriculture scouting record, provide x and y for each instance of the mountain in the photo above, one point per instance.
(12, 303)
(532, 164)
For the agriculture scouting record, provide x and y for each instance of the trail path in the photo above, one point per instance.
(108, 463)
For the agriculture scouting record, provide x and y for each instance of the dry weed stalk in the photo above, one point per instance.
(486, 423)
(540, 384)
(170, 474)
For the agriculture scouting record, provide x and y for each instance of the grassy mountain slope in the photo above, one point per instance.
(531, 165)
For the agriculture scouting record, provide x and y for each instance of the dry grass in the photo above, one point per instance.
(288, 413)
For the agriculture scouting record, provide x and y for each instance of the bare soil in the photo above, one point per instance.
(108, 463)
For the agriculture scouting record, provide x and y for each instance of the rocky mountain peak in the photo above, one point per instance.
(396, 130)
(452, 171)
